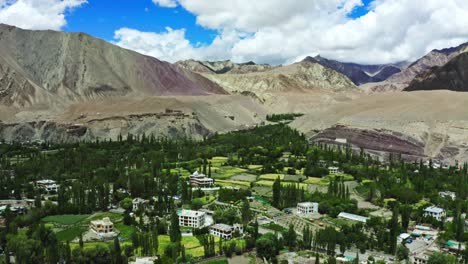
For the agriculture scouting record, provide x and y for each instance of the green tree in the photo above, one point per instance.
(440, 258)
(174, 231)
(276, 193)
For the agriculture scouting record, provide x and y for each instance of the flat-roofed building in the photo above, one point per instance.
(200, 180)
(49, 186)
(103, 226)
(435, 212)
(190, 218)
(307, 208)
(448, 194)
(225, 231)
(353, 217)
(334, 170)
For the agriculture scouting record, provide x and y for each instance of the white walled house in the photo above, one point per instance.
(334, 170)
(137, 202)
(190, 218)
(435, 212)
(225, 231)
(50, 186)
(200, 180)
(307, 208)
(448, 195)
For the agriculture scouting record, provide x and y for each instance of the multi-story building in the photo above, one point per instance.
(49, 186)
(225, 231)
(435, 212)
(104, 226)
(334, 170)
(307, 208)
(200, 180)
(191, 218)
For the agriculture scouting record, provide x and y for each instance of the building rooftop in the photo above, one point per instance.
(45, 182)
(189, 213)
(354, 217)
(222, 227)
(196, 174)
(104, 221)
(306, 204)
(433, 209)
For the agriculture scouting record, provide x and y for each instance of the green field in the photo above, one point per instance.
(64, 219)
(205, 200)
(271, 176)
(312, 180)
(274, 227)
(270, 184)
(70, 233)
(226, 183)
(226, 172)
(218, 161)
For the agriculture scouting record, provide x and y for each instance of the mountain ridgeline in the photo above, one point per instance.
(52, 67)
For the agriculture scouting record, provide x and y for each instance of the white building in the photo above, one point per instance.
(435, 212)
(225, 231)
(353, 217)
(200, 180)
(334, 170)
(191, 218)
(49, 186)
(103, 228)
(448, 194)
(307, 208)
(137, 202)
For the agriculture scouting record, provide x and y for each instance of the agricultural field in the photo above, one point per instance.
(226, 172)
(270, 184)
(64, 219)
(230, 183)
(244, 177)
(218, 161)
(271, 176)
(312, 180)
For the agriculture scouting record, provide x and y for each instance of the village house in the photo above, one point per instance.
(137, 203)
(225, 231)
(49, 186)
(435, 212)
(307, 208)
(334, 170)
(448, 194)
(103, 227)
(200, 180)
(190, 218)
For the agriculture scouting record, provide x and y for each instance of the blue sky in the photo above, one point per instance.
(101, 18)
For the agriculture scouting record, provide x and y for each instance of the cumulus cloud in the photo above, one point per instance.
(278, 31)
(37, 14)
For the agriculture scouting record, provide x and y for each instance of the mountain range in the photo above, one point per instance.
(58, 86)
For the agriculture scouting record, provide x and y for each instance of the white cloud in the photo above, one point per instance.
(166, 3)
(278, 31)
(37, 14)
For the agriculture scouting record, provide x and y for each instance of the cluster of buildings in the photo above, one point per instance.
(197, 219)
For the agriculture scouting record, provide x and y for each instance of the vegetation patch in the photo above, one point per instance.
(226, 172)
(313, 180)
(271, 176)
(64, 219)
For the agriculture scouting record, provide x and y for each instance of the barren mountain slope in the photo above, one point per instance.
(42, 66)
(401, 80)
(180, 116)
(423, 124)
(299, 77)
(359, 74)
(222, 67)
(452, 76)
